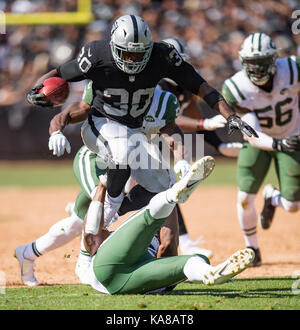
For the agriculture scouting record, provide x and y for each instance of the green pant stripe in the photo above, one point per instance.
(88, 169)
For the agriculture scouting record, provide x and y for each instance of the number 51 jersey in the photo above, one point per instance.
(123, 97)
(278, 110)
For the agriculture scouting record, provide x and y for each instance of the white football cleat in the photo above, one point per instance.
(82, 268)
(234, 265)
(199, 171)
(27, 267)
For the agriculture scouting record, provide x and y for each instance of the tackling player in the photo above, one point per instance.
(265, 92)
(125, 71)
(121, 263)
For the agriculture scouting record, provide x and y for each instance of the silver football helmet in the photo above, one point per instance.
(131, 43)
(257, 55)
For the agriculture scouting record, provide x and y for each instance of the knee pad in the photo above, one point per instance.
(245, 200)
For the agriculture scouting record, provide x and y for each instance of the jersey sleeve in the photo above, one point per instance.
(81, 68)
(87, 95)
(228, 95)
(294, 70)
(172, 109)
(179, 70)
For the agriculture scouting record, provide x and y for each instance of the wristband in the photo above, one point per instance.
(213, 98)
(200, 125)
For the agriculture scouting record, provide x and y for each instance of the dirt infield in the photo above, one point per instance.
(26, 214)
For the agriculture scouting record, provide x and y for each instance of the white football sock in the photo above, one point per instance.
(59, 234)
(195, 268)
(159, 207)
(278, 200)
(247, 218)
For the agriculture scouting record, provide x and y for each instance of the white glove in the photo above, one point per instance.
(182, 167)
(59, 143)
(210, 124)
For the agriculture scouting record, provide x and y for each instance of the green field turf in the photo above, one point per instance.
(241, 294)
(60, 174)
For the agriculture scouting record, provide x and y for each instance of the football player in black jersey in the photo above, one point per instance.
(125, 70)
(191, 119)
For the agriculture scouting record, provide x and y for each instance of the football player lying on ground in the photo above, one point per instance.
(121, 263)
(125, 71)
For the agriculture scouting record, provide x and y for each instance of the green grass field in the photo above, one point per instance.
(36, 174)
(241, 294)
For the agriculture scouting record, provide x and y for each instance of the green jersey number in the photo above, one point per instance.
(282, 117)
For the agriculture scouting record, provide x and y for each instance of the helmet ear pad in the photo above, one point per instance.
(131, 34)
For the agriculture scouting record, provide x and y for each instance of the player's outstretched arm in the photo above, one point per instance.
(216, 101)
(94, 233)
(174, 137)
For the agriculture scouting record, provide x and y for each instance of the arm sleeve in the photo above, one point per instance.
(70, 71)
(264, 141)
(186, 77)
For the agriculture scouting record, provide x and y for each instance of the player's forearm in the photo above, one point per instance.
(215, 100)
(94, 233)
(188, 124)
(75, 112)
(174, 137)
(264, 142)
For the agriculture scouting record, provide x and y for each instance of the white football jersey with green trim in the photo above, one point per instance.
(164, 110)
(278, 110)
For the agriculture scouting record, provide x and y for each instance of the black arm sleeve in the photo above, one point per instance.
(70, 71)
(186, 77)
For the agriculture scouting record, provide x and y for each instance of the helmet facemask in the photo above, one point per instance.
(259, 70)
(133, 58)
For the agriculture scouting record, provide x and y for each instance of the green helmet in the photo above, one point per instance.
(257, 55)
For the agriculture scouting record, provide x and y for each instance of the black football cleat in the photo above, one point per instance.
(267, 214)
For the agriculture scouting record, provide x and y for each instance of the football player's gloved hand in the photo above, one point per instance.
(210, 124)
(287, 145)
(182, 167)
(35, 98)
(59, 143)
(236, 123)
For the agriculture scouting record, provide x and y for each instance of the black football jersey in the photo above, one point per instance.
(123, 97)
(184, 96)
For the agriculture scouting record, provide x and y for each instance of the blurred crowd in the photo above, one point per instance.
(212, 30)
